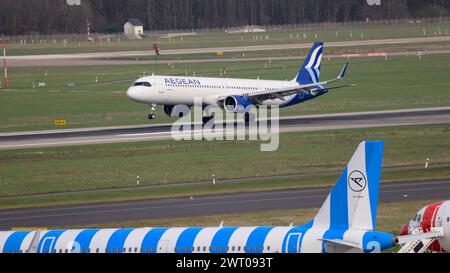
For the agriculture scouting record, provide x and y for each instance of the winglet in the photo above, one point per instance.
(344, 70)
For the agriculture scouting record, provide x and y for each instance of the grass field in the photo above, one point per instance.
(400, 82)
(47, 170)
(391, 218)
(217, 39)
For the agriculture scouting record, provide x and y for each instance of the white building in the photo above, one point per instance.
(133, 28)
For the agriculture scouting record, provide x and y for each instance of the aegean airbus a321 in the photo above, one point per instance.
(232, 94)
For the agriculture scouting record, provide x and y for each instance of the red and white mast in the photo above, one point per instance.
(5, 63)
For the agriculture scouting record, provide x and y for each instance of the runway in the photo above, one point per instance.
(113, 58)
(70, 137)
(206, 205)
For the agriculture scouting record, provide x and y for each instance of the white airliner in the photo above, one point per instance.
(234, 95)
(345, 223)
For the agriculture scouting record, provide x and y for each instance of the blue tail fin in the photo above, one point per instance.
(310, 71)
(353, 202)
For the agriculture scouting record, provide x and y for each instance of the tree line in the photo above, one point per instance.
(55, 16)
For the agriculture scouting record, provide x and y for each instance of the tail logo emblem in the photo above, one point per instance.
(357, 181)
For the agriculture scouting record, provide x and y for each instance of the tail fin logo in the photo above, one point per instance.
(357, 182)
(310, 71)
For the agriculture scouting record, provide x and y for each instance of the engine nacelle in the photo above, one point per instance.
(236, 103)
(176, 110)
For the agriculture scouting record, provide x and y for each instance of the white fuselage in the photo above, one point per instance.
(174, 90)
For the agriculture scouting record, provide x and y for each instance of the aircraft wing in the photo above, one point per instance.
(419, 236)
(261, 96)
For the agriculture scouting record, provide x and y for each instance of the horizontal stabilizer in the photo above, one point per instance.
(342, 243)
(334, 87)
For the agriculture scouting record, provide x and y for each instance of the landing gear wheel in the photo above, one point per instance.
(152, 115)
(249, 117)
(206, 119)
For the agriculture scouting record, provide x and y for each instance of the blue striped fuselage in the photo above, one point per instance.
(169, 240)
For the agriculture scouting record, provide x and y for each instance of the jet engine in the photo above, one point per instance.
(236, 103)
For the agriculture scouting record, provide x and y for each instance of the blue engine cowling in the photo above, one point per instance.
(236, 103)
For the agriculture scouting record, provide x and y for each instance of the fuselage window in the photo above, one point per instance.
(146, 84)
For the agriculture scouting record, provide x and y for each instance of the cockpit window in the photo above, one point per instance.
(419, 217)
(147, 84)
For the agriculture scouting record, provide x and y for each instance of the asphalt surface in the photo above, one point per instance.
(111, 58)
(206, 205)
(305, 123)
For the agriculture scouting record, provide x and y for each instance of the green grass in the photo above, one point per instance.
(47, 170)
(218, 40)
(400, 82)
(391, 218)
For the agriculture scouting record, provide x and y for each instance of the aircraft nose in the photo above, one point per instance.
(134, 94)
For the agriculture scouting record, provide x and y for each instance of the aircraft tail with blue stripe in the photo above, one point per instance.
(353, 202)
(310, 71)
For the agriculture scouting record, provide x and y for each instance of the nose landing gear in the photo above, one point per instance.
(152, 114)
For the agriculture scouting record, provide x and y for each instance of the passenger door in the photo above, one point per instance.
(293, 243)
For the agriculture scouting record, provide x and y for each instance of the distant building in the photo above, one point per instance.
(133, 28)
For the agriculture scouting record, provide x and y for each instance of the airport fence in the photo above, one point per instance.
(118, 37)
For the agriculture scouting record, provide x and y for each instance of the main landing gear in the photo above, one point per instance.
(152, 114)
(207, 119)
(249, 117)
